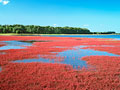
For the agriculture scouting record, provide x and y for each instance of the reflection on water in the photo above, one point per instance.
(0, 69)
(11, 47)
(87, 36)
(117, 37)
(14, 45)
(72, 57)
(32, 41)
(19, 44)
(35, 60)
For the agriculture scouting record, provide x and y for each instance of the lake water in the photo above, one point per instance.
(87, 36)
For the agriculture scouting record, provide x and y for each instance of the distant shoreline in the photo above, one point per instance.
(13, 34)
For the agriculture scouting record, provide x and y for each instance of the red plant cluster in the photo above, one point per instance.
(103, 75)
(39, 76)
(104, 63)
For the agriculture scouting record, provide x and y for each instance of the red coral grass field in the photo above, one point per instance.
(103, 75)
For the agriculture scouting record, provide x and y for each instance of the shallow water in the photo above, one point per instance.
(14, 45)
(18, 44)
(11, 47)
(117, 37)
(72, 57)
(0, 69)
(88, 36)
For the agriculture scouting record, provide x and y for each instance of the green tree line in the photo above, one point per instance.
(109, 32)
(34, 29)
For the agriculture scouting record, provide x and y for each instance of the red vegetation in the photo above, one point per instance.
(39, 76)
(104, 63)
(113, 49)
(104, 75)
(44, 49)
(2, 44)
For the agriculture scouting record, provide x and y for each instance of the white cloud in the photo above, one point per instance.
(54, 25)
(0, 0)
(86, 25)
(4, 2)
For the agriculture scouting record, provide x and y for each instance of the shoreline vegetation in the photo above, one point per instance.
(14, 34)
(47, 30)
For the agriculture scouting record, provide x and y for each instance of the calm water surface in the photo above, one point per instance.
(0, 69)
(87, 36)
(14, 45)
(72, 57)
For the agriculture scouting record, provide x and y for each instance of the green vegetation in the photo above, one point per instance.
(109, 32)
(33, 29)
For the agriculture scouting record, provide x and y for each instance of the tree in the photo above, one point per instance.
(33, 29)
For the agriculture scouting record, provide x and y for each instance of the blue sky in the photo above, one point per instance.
(96, 15)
